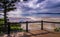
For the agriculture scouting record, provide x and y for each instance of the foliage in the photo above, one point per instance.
(13, 27)
(1, 19)
(7, 5)
(57, 29)
(16, 28)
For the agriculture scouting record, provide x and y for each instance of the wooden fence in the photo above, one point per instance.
(27, 23)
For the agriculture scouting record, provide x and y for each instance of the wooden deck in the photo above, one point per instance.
(36, 33)
(41, 33)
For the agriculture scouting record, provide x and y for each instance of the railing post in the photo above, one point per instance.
(41, 24)
(19, 24)
(26, 26)
(8, 30)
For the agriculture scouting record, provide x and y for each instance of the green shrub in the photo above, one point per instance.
(57, 29)
(14, 28)
(2, 19)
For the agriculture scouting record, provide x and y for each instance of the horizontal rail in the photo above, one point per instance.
(35, 22)
(51, 22)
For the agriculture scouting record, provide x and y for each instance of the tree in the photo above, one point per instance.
(7, 5)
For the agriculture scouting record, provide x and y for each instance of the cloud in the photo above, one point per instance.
(52, 3)
(15, 13)
(32, 8)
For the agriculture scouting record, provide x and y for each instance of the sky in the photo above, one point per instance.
(33, 9)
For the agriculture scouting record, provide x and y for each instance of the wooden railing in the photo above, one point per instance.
(27, 23)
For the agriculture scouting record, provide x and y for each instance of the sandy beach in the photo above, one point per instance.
(46, 26)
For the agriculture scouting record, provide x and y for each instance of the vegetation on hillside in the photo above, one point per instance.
(57, 29)
(13, 27)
